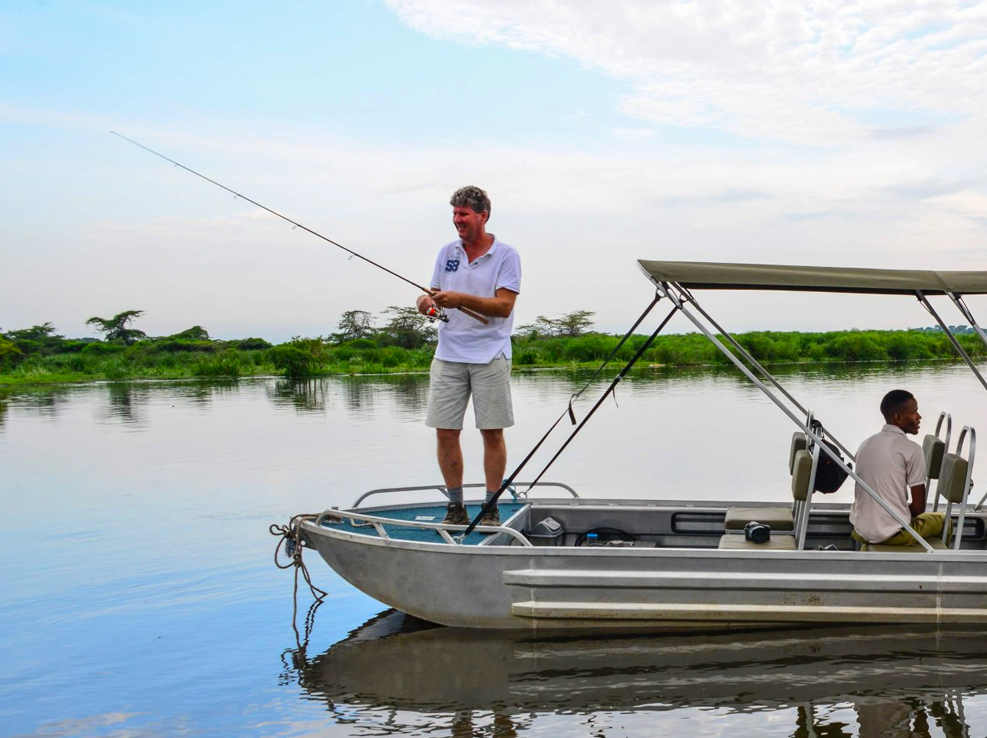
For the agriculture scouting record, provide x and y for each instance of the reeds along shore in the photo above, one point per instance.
(68, 361)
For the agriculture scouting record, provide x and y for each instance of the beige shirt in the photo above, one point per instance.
(891, 464)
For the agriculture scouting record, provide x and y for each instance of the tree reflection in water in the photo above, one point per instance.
(358, 393)
(410, 391)
(304, 395)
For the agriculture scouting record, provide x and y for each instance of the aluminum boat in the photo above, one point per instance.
(563, 561)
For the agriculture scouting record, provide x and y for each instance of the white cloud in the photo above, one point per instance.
(633, 134)
(789, 71)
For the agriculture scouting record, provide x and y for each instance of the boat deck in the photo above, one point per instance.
(424, 513)
(623, 523)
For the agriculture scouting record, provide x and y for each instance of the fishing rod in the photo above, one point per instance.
(435, 314)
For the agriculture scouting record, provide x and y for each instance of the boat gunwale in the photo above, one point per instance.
(662, 552)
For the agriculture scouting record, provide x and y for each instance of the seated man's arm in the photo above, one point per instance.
(499, 306)
(917, 506)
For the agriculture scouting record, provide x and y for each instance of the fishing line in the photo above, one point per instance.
(294, 223)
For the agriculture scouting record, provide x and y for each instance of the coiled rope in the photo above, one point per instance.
(290, 536)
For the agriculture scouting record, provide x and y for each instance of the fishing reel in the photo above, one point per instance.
(437, 313)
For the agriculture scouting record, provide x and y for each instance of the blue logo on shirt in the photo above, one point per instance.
(452, 265)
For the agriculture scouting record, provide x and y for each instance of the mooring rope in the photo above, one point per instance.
(291, 541)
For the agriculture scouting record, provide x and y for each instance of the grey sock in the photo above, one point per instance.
(455, 495)
(490, 495)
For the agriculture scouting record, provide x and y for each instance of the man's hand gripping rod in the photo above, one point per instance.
(436, 313)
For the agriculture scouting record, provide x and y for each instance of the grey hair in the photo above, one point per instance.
(471, 197)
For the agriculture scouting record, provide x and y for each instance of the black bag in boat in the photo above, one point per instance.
(829, 476)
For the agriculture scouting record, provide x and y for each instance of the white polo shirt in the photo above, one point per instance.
(891, 464)
(464, 339)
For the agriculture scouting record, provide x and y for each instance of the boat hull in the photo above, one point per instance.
(667, 588)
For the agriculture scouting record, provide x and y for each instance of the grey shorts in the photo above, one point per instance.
(453, 383)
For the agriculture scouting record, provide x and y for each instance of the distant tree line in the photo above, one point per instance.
(956, 330)
(117, 335)
(401, 339)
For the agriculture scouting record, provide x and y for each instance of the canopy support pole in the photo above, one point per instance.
(492, 502)
(956, 344)
(676, 299)
(754, 362)
(961, 305)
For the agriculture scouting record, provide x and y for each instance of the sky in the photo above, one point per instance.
(825, 133)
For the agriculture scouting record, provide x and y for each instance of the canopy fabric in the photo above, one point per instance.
(717, 276)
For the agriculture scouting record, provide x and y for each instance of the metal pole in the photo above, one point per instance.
(961, 305)
(803, 516)
(613, 385)
(676, 300)
(956, 344)
(764, 372)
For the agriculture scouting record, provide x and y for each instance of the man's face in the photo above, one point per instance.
(907, 418)
(469, 223)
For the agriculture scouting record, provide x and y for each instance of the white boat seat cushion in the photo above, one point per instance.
(775, 543)
(776, 518)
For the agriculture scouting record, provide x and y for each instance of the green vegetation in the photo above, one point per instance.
(405, 342)
(115, 329)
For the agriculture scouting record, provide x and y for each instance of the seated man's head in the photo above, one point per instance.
(900, 409)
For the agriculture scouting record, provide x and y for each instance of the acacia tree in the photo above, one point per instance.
(575, 323)
(38, 339)
(354, 324)
(34, 333)
(407, 328)
(569, 325)
(115, 328)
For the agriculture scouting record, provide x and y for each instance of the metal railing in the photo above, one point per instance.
(441, 488)
(336, 517)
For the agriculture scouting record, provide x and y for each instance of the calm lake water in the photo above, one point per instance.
(140, 598)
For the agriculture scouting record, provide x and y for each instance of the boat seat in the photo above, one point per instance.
(777, 518)
(775, 543)
(936, 543)
(954, 486)
(933, 449)
(799, 443)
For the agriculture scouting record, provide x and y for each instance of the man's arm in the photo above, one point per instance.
(499, 306)
(917, 506)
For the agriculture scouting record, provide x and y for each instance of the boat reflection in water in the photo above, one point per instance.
(883, 681)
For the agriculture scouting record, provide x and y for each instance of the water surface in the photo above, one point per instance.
(140, 598)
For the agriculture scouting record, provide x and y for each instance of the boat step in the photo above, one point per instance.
(741, 613)
(712, 580)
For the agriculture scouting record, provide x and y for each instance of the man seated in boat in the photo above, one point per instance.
(894, 466)
(482, 274)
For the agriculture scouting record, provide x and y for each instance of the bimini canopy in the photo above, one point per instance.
(716, 276)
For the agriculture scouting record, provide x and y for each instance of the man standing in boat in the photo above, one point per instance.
(473, 359)
(894, 466)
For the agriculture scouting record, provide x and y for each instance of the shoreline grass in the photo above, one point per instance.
(305, 358)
